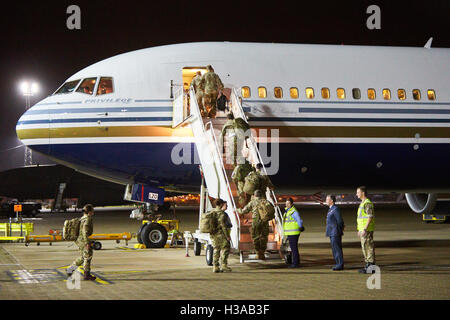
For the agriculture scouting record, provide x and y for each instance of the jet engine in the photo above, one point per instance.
(427, 203)
(422, 203)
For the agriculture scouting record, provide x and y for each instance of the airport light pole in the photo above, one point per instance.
(28, 90)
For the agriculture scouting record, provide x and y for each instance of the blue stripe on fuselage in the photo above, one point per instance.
(106, 109)
(328, 165)
(132, 119)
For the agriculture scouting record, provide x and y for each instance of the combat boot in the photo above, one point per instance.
(226, 268)
(70, 270)
(364, 269)
(89, 276)
(216, 269)
(261, 255)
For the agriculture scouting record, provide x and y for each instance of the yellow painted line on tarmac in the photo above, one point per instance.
(121, 272)
(98, 279)
(129, 249)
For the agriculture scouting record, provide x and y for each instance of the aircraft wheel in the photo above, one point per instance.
(97, 245)
(139, 234)
(197, 247)
(209, 255)
(288, 258)
(154, 235)
(241, 257)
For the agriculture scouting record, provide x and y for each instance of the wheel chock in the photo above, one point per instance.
(140, 246)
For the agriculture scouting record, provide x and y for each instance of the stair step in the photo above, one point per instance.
(246, 228)
(248, 246)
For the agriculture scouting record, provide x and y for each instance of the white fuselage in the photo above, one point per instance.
(366, 139)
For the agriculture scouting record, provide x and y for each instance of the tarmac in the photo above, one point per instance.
(414, 261)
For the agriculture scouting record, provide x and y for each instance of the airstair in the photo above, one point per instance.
(58, 205)
(216, 178)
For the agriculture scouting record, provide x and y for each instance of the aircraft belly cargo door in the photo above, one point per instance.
(181, 110)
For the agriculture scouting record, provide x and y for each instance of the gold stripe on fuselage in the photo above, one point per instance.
(284, 132)
(92, 132)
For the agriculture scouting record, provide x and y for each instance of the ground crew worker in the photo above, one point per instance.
(366, 226)
(335, 230)
(221, 238)
(292, 227)
(260, 229)
(213, 85)
(238, 177)
(84, 244)
(199, 87)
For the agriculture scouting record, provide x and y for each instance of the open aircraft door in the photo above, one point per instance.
(181, 110)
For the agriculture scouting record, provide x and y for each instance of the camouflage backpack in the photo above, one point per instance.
(241, 171)
(253, 182)
(266, 210)
(208, 222)
(71, 229)
(240, 123)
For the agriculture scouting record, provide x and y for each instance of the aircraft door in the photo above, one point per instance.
(181, 102)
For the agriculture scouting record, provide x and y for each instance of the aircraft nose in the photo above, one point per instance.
(21, 127)
(32, 128)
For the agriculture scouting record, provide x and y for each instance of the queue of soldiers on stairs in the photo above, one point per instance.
(252, 185)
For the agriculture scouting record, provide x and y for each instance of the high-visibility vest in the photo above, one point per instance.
(290, 226)
(362, 217)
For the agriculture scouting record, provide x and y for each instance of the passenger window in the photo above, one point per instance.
(325, 93)
(68, 87)
(87, 86)
(262, 92)
(431, 94)
(309, 93)
(371, 94)
(278, 92)
(245, 92)
(401, 94)
(356, 93)
(416, 94)
(294, 93)
(105, 86)
(386, 94)
(340, 93)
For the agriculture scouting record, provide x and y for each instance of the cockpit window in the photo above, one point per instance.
(68, 87)
(87, 86)
(105, 86)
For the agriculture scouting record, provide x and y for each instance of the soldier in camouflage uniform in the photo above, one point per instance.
(213, 85)
(84, 244)
(199, 86)
(242, 129)
(221, 238)
(228, 130)
(238, 177)
(260, 229)
(265, 181)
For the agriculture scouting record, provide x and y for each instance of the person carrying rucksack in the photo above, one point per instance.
(238, 177)
(220, 237)
(86, 227)
(228, 134)
(199, 87)
(213, 85)
(260, 222)
(257, 181)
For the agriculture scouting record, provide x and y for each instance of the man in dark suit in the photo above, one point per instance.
(335, 230)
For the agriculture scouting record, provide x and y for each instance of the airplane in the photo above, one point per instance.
(344, 116)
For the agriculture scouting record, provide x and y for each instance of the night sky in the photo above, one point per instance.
(37, 45)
